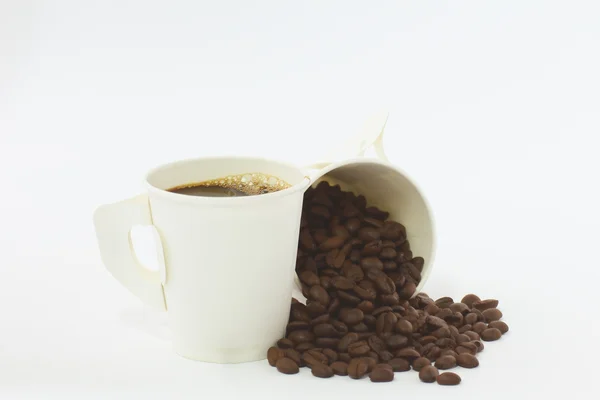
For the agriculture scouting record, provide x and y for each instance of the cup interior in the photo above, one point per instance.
(390, 189)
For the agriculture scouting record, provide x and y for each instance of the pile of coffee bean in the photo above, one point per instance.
(361, 317)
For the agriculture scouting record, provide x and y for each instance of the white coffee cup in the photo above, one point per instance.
(228, 264)
(227, 273)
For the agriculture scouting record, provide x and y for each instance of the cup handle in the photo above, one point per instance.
(369, 136)
(113, 223)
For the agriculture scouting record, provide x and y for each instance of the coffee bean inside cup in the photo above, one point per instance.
(362, 316)
(249, 184)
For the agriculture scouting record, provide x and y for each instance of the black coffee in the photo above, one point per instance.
(208, 191)
(250, 184)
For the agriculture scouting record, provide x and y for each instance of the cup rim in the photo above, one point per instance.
(224, 201)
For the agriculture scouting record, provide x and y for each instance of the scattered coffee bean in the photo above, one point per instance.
(358, 368)
(362, 315)
(420, 363)
(381, 374)
(339, 368)
(491, 334)
(428, 374)
(500, 325)
(483, 305)
(492, 314)
(445, 362)
(399, 364)
(287, 366)
(448, 379)
(467, 360)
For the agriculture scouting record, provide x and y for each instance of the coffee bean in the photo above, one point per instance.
(420, 363)
(351, 316)
(318, 293)
(372, 248)
(479, 327)
(436, 322)
(306, 241)
(371, 362)
(322, 319)
(376, 343)
(322, 371)
(373, 355)
(412, 271)
(325, 330)
(365, 306)
(309, 277)
(500, 325)
(407, 290)
(315, 356)
(491, 334)
(467, 360)
(471, 318)
(339, 368)
(304, 346)
(301, 336)
(340, 231)
(371, 262)
(287, 366)
(365, 294)
(404, 327)
(418, 262)
(472, 335)
(285, 343)
(465, 328)
(462, 338)
(428, 374)
(357, 368)
(445, 342)
(385, 285)
(470, 299)
(479, 345)
(297, 325)
(381, 374)
(462, 350)
(399, 364)
(385, 323)
(350, 211)
(403, 256)
(390, 299)
(389, 266)
(445, 362)
(330, 343)
(448, 379)
(393, 230)
(444, 302)
(352, 225)
(295, 356)
(396, 341)
(485, 304)
(388, 253)
(441, 333)
(358, 349)
(345, 357)
(459, 307)
(347, 340)
(368, 234)
(274, 354)
(347, 298)
(434, 353)
(432, 309)
(492, 314)
(373, 222)
(449, 352)
(342, 283)
(353, 272)
(386, 356)
(376, 213)
(334, 242)
(408, 353)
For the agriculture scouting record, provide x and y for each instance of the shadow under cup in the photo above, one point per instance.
(229, 261)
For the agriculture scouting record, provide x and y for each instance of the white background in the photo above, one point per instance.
(495, 111)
